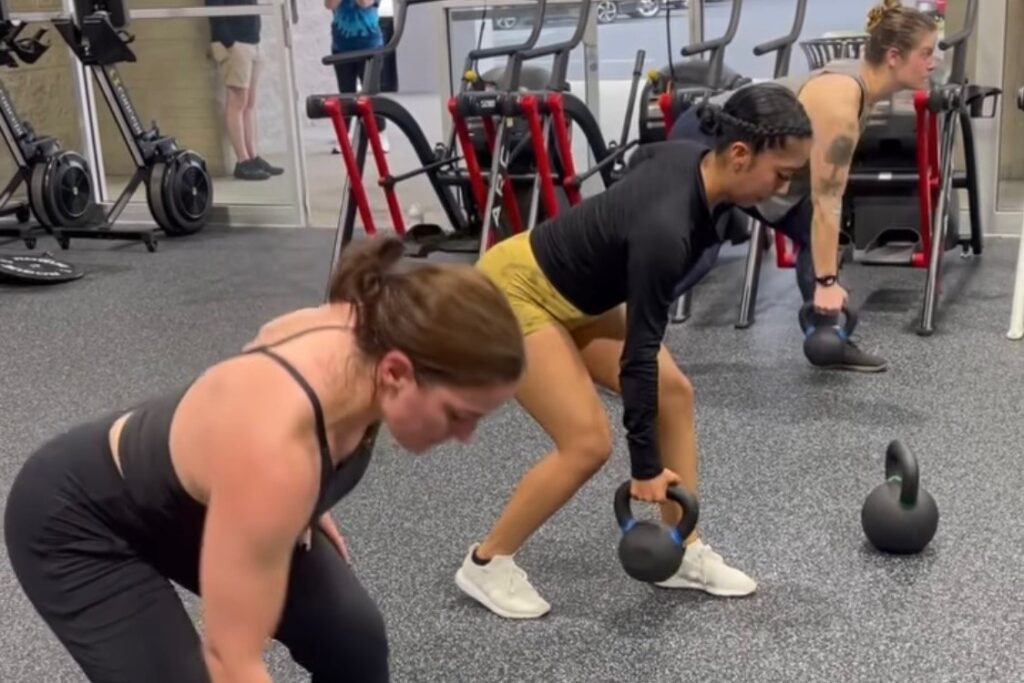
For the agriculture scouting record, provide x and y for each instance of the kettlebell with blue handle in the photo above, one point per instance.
(652, 551)
(824, 340)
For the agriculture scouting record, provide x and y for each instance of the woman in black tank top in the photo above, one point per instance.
(224, 487)
(899, 55)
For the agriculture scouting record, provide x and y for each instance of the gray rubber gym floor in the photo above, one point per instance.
(788, 454)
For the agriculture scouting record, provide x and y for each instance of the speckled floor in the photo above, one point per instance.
(788, 454)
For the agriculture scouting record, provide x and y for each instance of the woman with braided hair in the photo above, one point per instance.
(838, 98)
(592, 289)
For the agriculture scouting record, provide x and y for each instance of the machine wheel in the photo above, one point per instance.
(180, 193)
(68, 190)
(60, 190)
(37, 191)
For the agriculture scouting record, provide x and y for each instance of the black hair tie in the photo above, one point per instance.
(710, 122)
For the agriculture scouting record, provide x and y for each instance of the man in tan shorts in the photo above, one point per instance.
(235, 47)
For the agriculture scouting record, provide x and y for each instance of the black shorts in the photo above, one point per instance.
(80, 549)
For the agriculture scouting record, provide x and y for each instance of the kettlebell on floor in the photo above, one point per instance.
(899, 516)
(652, 551)
(824, 340)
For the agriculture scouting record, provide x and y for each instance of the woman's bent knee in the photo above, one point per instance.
(590, 448)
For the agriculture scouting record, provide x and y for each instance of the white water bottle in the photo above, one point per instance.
(415, 214)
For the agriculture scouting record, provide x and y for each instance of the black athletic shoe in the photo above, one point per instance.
(265, 165)
(250, 170)
(857, 360)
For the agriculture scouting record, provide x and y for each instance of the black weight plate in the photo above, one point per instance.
(154, 196)
(68, 190)
(42, 269)
(187, 193)
(37, 191)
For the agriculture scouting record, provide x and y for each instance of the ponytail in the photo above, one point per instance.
(361, 279)
(452, 322)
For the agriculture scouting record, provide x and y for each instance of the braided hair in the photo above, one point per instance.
(762, 115)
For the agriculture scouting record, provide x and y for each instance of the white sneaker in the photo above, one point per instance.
(501, 587)
(704, 569)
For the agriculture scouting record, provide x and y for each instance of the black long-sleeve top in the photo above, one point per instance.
(632, 244)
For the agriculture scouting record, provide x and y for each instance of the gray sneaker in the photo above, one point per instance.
(267, 166)
(856, 359)
(250, 170)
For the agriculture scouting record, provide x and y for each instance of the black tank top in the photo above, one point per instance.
(154, 487)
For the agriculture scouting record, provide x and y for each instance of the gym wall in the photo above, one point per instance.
(311, 42)
(44, 92)
(1011, 160)
(175, 82)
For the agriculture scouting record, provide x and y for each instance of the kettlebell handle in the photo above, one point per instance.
(686, 500)
(900, 463)
(807, 314)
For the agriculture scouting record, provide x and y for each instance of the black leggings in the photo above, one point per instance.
(350, 76)
(101, 580)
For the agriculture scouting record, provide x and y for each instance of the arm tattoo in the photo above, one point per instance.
(839, 154)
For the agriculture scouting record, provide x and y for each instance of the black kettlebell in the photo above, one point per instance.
(899, 516)
(652, 551)
(824, 341)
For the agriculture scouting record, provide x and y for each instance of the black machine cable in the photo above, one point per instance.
(668, 41)
(483, 22)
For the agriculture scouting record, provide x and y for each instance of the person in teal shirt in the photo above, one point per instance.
(355, 26)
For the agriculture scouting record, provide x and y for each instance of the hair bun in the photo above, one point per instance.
(361, 273)
(877, 13)
(710, 121)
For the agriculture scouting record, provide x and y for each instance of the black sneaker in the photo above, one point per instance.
(265, 165)
(250, 170)
(858, 360)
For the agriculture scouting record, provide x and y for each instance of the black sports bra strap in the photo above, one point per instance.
(326, 466)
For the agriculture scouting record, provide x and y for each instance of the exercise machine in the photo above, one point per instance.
(759, 240)
(179, 190)
(676, 86)
(440, 163)
(1016, 331)
(58, 180)
(549, 115)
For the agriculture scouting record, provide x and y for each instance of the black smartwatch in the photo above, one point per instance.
(827, 280)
